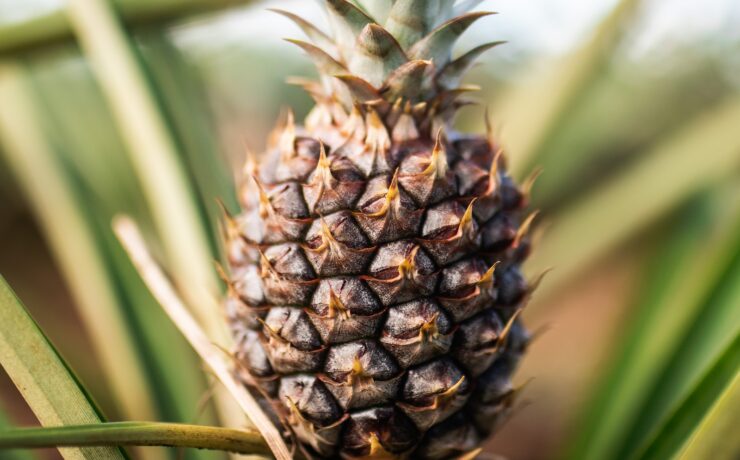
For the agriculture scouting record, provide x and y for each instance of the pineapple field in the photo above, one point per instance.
(412, 229)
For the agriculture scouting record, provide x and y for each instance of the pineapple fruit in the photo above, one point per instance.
(375, 282)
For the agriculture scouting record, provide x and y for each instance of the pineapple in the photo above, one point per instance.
(375, 279)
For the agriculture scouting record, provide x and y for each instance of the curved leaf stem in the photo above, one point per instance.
(245, 441)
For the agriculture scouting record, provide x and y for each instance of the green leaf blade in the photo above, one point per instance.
(102, 187)
(685, 273)
(722, 377)
(716, 435)
(715, 324)
(437, 46)
(153, 150)
(42, 377)
(529, 131)
(39, 169)
(633, 199)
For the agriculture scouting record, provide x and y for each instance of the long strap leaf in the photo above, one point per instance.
(138, 434)
(55, 201)
(529, 130)
(107, 185)
(685, 272)
(706, 150)
(723, 378)
(153, 149)
(42, 377)
(715, 324)
(716, 435)
(185, 102)
(165, 293)
(53, 28)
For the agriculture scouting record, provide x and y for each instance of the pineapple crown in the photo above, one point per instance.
(402, 70)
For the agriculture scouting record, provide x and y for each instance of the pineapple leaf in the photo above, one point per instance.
(410, 20)
(362, 8)
(684, 275)
(715, 323)
(437, 46)
(622, 118)
(529, 131)
(325, 64)
(43, 378)
(464, 6)
(347, 21)
(377, 9)
(244, 441)
(714, 393)
(54, 28)
(153, 150)
(637, 198)
(361, 90)
(377, 55)
(155, 153)
(349, 15)
(152, 275)
(452, 73)
(14, 454)
(106, 186)
(185, 104)
(714, 436)
(76, 248)
(312, 32)
(407, 81)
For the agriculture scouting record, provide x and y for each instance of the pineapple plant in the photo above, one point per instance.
(378, 333)
(374, 270)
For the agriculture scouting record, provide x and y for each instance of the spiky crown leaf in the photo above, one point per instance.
(394, 56)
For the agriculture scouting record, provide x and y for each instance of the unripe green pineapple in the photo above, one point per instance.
(375, 281)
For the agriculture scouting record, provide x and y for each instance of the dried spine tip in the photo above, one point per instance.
(247, 189)
(405, 129)
(429, 332)
(438, 164)
(266, 267)
(538, 279)
(407, 267)
(323, 169)
(328, 240)
(487, 279)
(231, 227)
(265, 205)
(354, 126)
(466, 226)
(494, 181)
(391, 198)
(490, 136)
(336, 307)
(377, 139)
(287, 138)
(524, 229)
(526, 187)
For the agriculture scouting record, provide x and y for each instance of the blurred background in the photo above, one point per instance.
(631, 108)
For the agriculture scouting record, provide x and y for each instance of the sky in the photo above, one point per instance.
(551, 26)
(541, 26)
